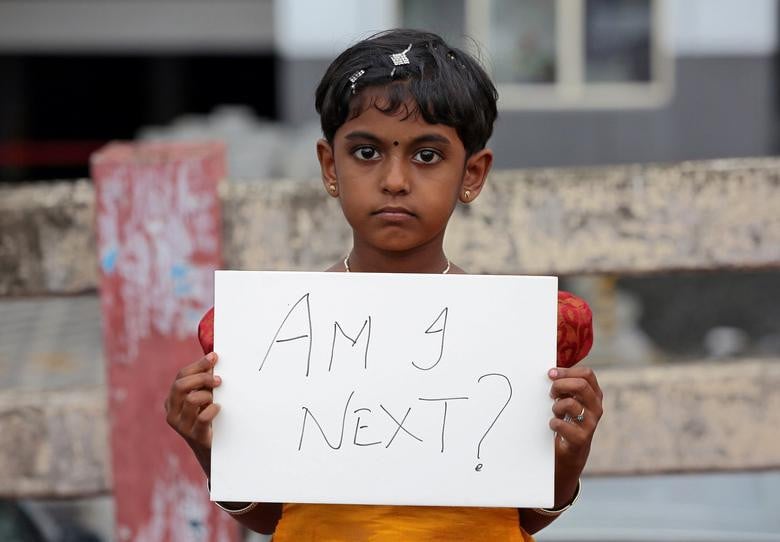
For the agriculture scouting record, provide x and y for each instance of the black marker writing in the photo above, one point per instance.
(276, 338)
(307, 413)
(337, 327)
(400, 426)
(358, 427)
(441, 329)
(508, 383)
(444, 416)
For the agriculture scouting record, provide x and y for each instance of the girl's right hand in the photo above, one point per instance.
(190, 408)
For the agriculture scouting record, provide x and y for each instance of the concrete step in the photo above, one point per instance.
(675, 417)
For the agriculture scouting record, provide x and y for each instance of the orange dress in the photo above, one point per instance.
(331, 522)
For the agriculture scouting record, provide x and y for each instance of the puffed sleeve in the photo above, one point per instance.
(206, 331)
(575, 329)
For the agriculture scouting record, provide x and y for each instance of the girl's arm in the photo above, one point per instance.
(577, 409)
(189, 411)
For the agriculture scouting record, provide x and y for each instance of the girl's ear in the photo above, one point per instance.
(477, 168)
(327, 167)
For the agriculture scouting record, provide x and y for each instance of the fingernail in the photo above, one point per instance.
(210, 356)
(553, 373)
(217, 380)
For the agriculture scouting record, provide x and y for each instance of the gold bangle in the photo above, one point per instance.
(232, 511)
(559, 511)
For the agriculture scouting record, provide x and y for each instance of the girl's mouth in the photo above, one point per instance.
(393, 210)
(394, 213)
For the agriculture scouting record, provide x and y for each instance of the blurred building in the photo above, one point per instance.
(581, 81)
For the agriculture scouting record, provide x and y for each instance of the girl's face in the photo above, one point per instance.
(398, 178)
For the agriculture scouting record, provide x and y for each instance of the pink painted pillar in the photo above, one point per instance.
(158, 235)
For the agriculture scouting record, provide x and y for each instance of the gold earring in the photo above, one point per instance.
(332, 188)
(467, 194)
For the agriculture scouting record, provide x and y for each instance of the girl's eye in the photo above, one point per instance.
(427, 156)
(366, 153)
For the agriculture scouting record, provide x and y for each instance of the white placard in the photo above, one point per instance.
(384, 388)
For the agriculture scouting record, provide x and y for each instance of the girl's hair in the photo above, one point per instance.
(447, 85)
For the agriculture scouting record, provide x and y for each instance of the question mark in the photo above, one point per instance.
(478, 468)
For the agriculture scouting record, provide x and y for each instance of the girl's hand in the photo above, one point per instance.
(578, 409)
(190, 408)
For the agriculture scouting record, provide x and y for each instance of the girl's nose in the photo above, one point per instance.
(396, 178)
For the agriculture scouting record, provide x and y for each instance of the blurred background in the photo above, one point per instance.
(584, 82)
(581, 83)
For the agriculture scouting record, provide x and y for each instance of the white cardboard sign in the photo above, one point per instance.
(384, 388)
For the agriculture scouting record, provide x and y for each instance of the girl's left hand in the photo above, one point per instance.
(578, 409)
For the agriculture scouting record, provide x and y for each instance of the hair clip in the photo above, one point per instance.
(354, 77)
(399, 59)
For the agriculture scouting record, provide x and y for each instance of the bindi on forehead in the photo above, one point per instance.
(395, 143)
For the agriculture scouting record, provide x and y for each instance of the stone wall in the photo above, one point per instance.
(715, 215)
(699, 417)
(621, 219)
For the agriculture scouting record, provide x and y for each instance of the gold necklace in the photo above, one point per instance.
(347, 269)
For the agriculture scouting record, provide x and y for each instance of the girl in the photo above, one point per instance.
(405, 119)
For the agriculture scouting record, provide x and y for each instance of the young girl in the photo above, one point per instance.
(406, 118)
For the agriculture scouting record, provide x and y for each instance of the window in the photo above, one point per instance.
(560, 53)
(521, 40)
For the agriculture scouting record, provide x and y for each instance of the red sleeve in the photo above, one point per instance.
(206, 331)
(575, 329)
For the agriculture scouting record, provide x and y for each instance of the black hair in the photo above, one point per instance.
(447, 85)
